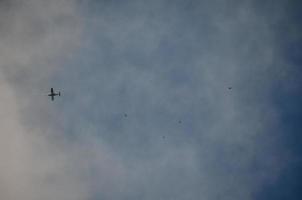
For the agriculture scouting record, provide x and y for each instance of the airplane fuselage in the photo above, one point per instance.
(54, 94)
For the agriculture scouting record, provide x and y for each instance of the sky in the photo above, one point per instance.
(161, 99)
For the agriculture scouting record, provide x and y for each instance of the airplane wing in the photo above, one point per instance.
(51, 90)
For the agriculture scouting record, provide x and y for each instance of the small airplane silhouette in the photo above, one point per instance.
(53, 94)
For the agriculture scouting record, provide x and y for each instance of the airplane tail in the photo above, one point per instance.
(59, 93)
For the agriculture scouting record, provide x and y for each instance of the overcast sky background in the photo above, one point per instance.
(145, 111)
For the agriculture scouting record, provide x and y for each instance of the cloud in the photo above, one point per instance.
(159, 62)
(34, 36)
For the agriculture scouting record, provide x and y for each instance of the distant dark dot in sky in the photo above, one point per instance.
(179, 121)
(125, 115)
(230, 88)
(164, 137)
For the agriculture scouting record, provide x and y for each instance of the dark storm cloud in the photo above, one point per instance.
(161, 63)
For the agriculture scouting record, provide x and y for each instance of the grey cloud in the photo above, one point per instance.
(35, 35)
(159, 62)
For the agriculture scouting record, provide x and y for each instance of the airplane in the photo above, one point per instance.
(53, 94)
